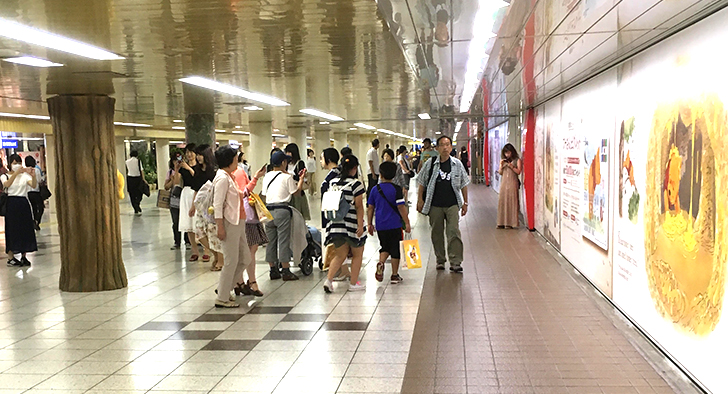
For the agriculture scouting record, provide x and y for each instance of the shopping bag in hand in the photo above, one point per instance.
(410, 251)
(329, 253)
(264, 215)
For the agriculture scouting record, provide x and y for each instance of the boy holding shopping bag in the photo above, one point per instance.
(387, 200)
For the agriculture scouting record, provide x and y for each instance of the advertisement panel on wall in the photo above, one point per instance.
(671, 228)
(497, 138)
(635, 174)
(587, 127)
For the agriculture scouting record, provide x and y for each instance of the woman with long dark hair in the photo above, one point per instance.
(36, 200)
(298, 200)
(405, 169)
(173, 184)
(188, 171)
(19, 229)
(510, 168)
(205, 171)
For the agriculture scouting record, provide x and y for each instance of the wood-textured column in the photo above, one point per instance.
(87, 203)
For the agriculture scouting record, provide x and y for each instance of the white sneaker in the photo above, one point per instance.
(328, 286)
(357, 287)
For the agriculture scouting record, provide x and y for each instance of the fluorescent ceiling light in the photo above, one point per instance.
(324, 122)
(219, 130)
(178, 121)
(32, 61)
(424, 116)
(253, 108)
(176, 142)
(309, 138)
(178, 127)
(234, 91)
(385, 131)
(477, 58)
(352, 128)
(332, 140)
(278, 136)
(132, 124)
(438, 132)
(241, 132)
(12, 115)
(23, 138)
(17, 31)
(365, 126)
(320, 114)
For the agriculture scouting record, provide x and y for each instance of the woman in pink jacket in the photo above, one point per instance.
(254, 231)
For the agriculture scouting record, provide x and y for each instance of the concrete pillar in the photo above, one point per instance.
(340, 140)
(261, 127)
(354, 141)
(297, 134)
(200, 115)
(162, 145)
(86, 193)
(50, 160)
(321, 142)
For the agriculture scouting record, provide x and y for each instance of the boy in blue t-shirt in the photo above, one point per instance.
(387, 200)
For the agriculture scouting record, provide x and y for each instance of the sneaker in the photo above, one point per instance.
(380, 272)
(275, 274)
(456, 269)
(14, 263)
(288, 275)
(328, 286)
(25, 262)
(440, 266)
(342, 278)
(396, 279)
(226, 304)
(357, 287)
(175, 247)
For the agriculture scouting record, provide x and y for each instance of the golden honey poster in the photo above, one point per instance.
(671, 228)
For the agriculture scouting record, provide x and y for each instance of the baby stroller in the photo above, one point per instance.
(312, 253)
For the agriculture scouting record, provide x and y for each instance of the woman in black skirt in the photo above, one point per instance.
(19, 224)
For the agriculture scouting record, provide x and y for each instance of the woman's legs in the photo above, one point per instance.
(356, 262)
(339, 257)
(175, 226)
(193, 243)
(251, 269)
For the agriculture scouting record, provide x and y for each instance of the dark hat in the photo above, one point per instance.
(278, 158)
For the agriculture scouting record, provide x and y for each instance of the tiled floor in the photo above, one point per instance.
(514, 322)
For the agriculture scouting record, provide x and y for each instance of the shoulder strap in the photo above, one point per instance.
(272, 180)
(388, 202)
(432, 168)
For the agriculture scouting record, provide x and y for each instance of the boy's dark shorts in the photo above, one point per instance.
(389, 242)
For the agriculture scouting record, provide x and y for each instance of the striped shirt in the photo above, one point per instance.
(349, 225)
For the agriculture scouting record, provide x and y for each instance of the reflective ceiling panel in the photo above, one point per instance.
(337, 56)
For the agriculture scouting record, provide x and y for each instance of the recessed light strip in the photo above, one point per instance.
(424, 116)
(20, 32)
(235, 91)
(365, 126)
(12, 115)
(321, 114)
(132, 124)
(32, 61)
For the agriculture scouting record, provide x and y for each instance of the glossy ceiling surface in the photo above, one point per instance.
(337, 56)
(546, 47)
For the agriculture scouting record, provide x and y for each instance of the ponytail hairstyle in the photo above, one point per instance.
(348, 163)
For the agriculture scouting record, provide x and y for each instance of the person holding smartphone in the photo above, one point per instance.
(510, 169)
(278, 188)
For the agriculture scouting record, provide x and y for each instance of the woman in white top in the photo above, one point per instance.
(405, 169)
(19, 229)
(36, 200)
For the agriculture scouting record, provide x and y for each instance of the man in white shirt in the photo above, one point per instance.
(278, 187)
(134, 172)
(373, 162)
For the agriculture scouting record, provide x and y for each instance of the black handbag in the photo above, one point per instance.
(144, 188)
(45, 192)
(3, 203)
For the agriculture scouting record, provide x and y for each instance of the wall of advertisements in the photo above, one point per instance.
(632, 188)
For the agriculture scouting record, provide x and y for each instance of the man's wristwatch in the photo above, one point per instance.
(465, 204)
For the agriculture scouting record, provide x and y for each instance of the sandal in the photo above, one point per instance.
(205, 258)
(242, 289)
(194, 257)
(256, 292)
(215, 268)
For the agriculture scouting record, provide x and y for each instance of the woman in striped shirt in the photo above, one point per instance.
(348, 234)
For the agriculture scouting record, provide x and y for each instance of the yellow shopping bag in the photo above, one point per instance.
(257, 203)
(409, 249)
